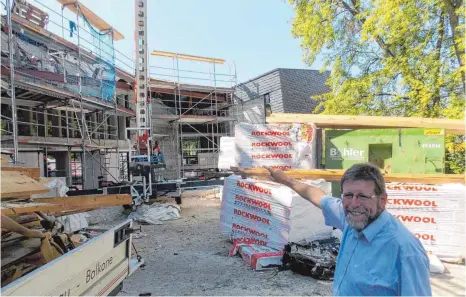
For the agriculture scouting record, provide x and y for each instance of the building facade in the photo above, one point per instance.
(280, 90)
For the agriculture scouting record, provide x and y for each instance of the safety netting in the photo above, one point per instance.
(99, 80)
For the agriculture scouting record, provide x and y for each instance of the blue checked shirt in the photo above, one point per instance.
(384, 259)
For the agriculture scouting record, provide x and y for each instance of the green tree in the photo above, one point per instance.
(387, 57)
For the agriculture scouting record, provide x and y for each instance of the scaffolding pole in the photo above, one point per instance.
(83, 144)
(12, 83)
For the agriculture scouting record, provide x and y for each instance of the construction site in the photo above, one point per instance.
(152, 165)
(74, 99)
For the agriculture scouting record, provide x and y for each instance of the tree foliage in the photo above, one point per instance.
(387, 57)
(401, 57)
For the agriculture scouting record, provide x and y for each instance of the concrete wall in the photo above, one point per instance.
(62, 162)
(32, 159)
(168, 146)
(113, 173)
(92, 169)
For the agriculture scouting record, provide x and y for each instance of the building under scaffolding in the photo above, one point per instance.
(71, 92)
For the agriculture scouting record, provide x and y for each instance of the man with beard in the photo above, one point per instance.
(378, 254)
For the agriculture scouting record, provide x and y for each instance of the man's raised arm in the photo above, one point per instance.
(308, 192)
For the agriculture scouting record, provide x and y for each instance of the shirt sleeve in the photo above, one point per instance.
(415, 276)
(333, 212)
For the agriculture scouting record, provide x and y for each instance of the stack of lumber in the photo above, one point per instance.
(19, 185)
(26, 198)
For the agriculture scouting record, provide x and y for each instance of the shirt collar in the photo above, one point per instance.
(371, 231)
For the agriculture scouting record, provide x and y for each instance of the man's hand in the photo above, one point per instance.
(279, 176)
(314, 195)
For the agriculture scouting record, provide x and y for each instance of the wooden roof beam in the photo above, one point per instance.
(186, 57)
(368, 122)
(335, 175)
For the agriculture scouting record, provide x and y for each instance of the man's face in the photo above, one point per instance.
(360, 203)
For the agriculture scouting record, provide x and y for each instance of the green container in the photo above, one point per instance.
(410, 150)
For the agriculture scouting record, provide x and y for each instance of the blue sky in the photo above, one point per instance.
(255, 35)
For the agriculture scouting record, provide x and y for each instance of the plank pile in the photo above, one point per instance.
(27, 202)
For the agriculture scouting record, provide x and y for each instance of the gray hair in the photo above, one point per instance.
(368, 172)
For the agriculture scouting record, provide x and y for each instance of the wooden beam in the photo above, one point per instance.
(15, 184)
(91, 17)
(186, 57)
(358, 122)
(33, 172)
(65, 204)
(335, 175)
(197, 95)
(5, 159)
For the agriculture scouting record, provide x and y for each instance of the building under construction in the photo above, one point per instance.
(67, 98)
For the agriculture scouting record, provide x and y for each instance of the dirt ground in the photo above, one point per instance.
(189, 256)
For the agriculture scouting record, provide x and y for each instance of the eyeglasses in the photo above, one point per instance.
(360, 197)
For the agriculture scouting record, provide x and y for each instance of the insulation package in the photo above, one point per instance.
(434, 213)
(282, 146)
(263, 213)
(227, 152)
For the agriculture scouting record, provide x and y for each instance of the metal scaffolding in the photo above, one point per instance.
(199, 113)
(54, 98)
(58, 95)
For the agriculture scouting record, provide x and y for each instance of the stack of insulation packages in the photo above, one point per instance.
(434, 214)
(261, 217)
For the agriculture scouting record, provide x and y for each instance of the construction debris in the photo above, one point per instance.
(155, 214)
(316, 258)
(258, 257)
(28, 200)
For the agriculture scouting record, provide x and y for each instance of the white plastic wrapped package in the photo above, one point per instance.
(227, 151)
(261, 212)
(283, 146)
(255, 210)
(260, 257)
(58, 188)
(434, 213)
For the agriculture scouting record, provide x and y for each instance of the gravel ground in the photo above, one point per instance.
(189, 256)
